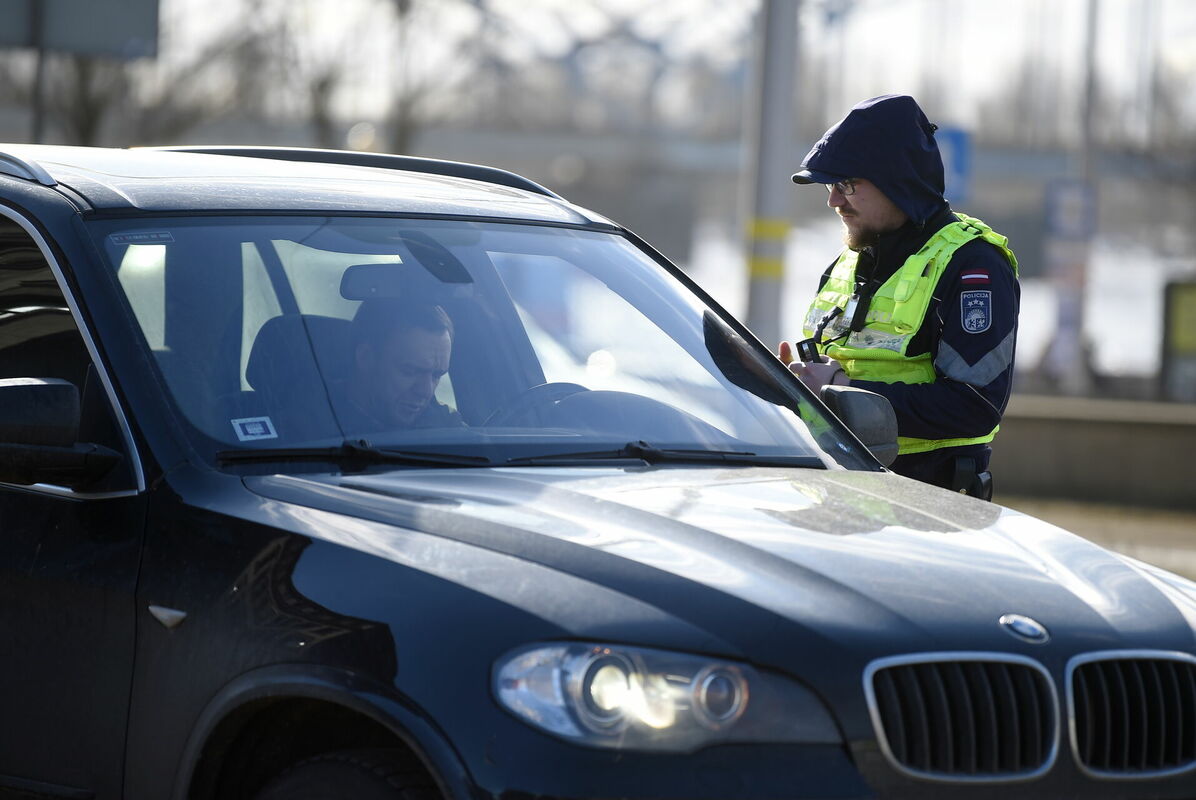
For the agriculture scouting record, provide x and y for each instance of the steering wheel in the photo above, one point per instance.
(544, 394)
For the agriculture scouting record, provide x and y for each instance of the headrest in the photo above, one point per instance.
(281, 358)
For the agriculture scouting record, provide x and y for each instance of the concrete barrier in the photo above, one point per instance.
(1105, 451)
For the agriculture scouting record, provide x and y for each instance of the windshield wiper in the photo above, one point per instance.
(642, 451)
(353, 453)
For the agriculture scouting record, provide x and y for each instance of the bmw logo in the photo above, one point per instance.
(1024, 628)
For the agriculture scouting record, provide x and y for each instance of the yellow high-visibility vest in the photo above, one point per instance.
(895, 314)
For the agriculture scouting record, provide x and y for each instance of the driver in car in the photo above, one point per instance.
(400, 350)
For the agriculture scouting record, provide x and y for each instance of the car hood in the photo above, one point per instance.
(872, 562)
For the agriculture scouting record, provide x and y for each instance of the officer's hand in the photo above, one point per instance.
(818, 374)
(785, 353)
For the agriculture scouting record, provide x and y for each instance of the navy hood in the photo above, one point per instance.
(889, 141)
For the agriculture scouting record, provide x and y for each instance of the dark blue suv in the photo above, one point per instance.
(339, 475)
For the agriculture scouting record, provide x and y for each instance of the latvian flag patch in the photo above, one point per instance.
(975, 276)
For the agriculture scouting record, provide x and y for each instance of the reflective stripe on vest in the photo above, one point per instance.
(895, 314)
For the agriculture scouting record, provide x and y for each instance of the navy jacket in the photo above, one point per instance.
(890, 142)
(975, 369)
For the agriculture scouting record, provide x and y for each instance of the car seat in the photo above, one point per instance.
(293, 360)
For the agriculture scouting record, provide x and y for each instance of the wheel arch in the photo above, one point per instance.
(239, 720)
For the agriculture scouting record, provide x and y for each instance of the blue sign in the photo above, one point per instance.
(955, 145)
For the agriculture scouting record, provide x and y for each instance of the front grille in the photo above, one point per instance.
(1135, 715)
(969, 716)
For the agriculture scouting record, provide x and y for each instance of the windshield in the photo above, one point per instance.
(504, 341)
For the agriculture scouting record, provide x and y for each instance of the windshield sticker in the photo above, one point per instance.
(145, 237)
(251, 429)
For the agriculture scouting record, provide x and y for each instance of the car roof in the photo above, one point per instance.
(233, 179)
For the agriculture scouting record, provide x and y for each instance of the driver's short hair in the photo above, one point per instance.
(377, 320)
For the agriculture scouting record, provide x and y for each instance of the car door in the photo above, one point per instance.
(68, 560)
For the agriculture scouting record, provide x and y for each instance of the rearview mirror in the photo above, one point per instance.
(868, 415)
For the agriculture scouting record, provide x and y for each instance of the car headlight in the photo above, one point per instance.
(606, 695)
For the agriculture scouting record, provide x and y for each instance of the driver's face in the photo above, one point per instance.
(406, 370)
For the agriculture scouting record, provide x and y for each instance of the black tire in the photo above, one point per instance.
(352, 775)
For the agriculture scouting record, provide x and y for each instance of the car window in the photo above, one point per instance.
(39, 339)
(584, 332)
(497, 339)
(259, 303)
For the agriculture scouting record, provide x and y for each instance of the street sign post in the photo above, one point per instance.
(112, 28)
(123, 29)
(1071, 221)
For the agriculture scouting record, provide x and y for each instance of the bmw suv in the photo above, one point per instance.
(342, 475)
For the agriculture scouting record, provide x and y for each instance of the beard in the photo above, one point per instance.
(860, 238)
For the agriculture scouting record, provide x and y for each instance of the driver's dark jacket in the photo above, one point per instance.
(975, 370)
(354, 419)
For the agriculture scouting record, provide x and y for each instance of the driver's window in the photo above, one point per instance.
(39, 339)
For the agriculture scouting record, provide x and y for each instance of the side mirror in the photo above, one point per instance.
(868, 415)
(39, 411)
(39, 431)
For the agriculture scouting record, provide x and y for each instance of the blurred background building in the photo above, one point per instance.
(1068, 125)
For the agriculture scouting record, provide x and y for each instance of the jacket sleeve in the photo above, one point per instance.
(973, 317)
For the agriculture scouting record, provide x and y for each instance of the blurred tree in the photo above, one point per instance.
(1035, 109)
(232, 73)
(321, 90)
(81, 92)
(593, 66)
(435, 54)
(316, 70)
(633, 96)
(91, 99)
(596, 67)
(1171, 135)
(1029, 110)
(399, 65)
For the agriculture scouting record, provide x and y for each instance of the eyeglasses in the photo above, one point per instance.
(846, 186)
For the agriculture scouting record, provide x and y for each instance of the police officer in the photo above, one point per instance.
(921, 306)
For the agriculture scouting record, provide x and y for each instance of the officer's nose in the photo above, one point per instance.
(836, 198)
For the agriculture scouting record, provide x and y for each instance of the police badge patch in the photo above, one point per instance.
(976, 310)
